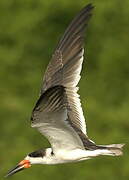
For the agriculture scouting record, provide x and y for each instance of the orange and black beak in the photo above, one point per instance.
(22, 165)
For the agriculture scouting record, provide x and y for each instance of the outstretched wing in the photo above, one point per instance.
(50, 116)
(64, 71)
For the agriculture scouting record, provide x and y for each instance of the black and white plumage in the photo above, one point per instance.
(58, 114)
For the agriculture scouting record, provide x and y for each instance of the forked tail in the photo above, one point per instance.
(112, 149)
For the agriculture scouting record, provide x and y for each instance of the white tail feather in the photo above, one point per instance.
(113, 149)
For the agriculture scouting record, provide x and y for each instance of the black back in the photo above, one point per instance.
(38, 153)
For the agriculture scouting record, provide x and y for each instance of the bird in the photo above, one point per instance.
(58, 114)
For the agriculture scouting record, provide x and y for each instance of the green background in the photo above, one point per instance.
(29, 32)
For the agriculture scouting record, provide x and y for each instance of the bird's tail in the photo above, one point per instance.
(112, 149)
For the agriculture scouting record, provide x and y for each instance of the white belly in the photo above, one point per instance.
(68, 156)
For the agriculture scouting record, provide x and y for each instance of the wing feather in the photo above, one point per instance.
(70, 48)
(56, 121)
(59, 101)
(53, 122)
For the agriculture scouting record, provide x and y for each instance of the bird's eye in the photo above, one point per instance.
(52, 153)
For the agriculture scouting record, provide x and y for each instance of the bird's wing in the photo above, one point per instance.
(64, 71)
(51, 116)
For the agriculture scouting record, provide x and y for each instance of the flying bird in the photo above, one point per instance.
(58, 114)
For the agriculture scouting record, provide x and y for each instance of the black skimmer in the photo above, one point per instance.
(58, 114)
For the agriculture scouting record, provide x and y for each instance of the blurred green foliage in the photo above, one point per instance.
(29, 32)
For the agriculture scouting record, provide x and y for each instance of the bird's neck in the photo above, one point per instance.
(49, 157)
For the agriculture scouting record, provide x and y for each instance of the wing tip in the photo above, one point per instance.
(89, 6)
(87, 10)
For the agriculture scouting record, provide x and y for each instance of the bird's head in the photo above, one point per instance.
(36, 157)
